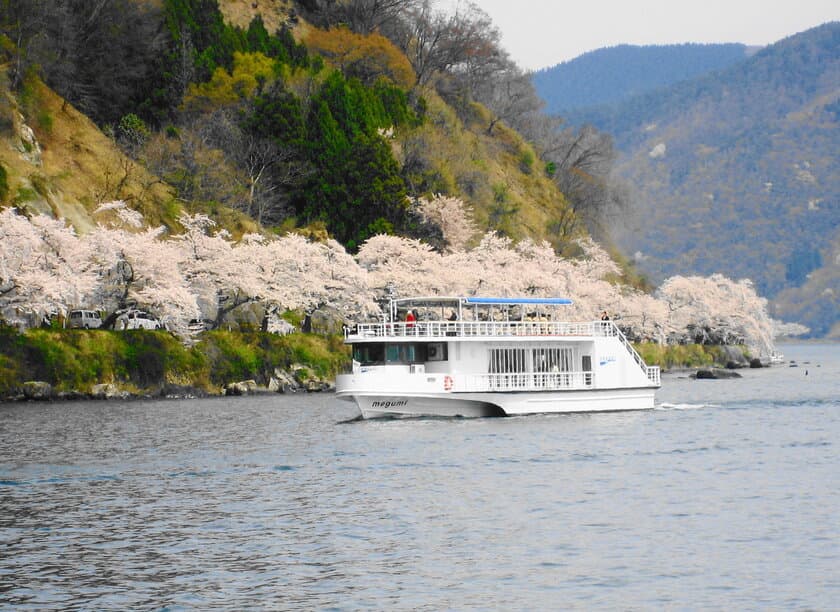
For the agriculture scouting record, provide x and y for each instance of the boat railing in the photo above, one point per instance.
(652, 372)
(481, 329)
(522, 381)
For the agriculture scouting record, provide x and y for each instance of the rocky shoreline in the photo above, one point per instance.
(296, 380)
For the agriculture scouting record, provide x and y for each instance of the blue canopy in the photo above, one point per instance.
(524, 300)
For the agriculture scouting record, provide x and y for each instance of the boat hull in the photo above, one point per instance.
(376, 406)
(501, 404)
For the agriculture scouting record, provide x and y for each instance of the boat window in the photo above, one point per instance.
(402, 353)
(554, 359)
(507, 360)
(378, 353)
(368, 354)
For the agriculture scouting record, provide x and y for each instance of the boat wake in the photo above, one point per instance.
(385, 418)
(667, 406)
(356, 419)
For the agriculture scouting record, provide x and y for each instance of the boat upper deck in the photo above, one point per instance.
(437, 317)
(476, 330)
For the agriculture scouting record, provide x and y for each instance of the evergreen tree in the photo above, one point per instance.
(357, 190)
(277, 114)
(257, 36)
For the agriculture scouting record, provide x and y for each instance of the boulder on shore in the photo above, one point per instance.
(734, 357)
(283, 382)
(108, 391)
(37, 390)
(714, 374)
(243, 387)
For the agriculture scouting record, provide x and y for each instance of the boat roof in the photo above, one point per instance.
(523, 300)
(503, 301)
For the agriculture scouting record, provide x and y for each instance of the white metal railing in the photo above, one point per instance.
(522, 381)
(472, 329)
(652, 372)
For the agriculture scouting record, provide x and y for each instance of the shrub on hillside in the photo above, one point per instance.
(4, 184)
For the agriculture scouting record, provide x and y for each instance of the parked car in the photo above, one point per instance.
(196, 326)
(137, 319)
(84, 319)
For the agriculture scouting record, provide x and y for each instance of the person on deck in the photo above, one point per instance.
(605, 316)
(410, 318)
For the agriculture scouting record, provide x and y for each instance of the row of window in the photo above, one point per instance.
(544, 359)
(501, 360)
(378, 353)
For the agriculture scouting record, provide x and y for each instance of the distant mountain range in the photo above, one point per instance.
(613, 74)
(735, 170)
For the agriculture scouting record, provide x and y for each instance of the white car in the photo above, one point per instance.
(199, 325)
(84, 319)
(137, 319)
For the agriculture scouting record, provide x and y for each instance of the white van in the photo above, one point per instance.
(137, 319)
(84, 319)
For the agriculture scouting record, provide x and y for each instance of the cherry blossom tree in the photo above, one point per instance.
(44, 268)
(451, 216)
(409, 265)
(208, 260)
(718, 310)
(299, 273)
(142, 269)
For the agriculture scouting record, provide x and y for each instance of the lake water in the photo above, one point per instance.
(725, 496)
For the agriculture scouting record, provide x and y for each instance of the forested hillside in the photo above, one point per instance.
(323, 120)
(610, 75)
(737, 171)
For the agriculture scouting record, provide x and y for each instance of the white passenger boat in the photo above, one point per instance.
(475, 357)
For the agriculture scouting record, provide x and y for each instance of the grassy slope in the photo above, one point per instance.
(486, 170)
(80, 166)
(274, 13)
(145, 362)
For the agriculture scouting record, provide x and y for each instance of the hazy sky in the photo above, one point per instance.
(541, 33)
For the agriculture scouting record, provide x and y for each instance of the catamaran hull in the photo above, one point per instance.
(502, 404)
